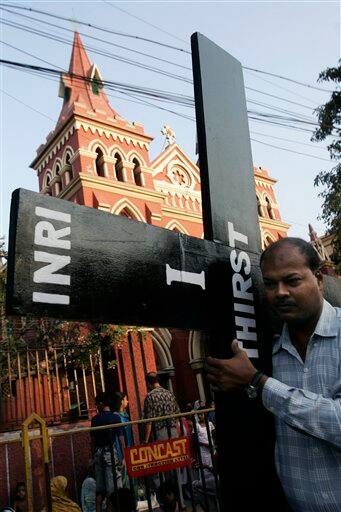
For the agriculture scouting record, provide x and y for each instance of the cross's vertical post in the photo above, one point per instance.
(244, 428)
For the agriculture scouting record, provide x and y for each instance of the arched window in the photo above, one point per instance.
(48, 190)
(100, 163)
(57, 187)
(268, 241)
(269, 208)
(126, 213)
(68, 172)
(119, 168)
(137, 173)
(259, 207)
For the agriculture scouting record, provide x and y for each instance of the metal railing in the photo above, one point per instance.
(48, 454)
(48, 382)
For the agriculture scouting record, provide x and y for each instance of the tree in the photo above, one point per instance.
(329, 119)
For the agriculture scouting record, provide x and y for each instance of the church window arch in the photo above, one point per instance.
(99, 163)
(47, 183)
(68, 154)
(119, 167)
(174, 225)
(133, 155)
(131, 210)
(126, 212)
(259, 207)
(137, 173)
(268, 240)
(269, 208)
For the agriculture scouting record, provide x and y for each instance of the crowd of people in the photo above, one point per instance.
(107, 487)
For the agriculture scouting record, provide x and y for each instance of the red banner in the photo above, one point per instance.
(146, 459)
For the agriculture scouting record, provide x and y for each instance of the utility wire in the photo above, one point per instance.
(98, 39)
(26, 105)
(152, 93)
(123, 34)
(116, 57)
(91, 25)
(98, 52)
(192, 119)
(290, 150)
(144, 21)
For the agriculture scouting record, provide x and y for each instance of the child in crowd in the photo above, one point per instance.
(20, 504)
(169, 497)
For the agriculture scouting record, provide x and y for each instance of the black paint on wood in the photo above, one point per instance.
(245, 429)
(226, 169)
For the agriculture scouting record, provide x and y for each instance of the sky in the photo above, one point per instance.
(291, 39)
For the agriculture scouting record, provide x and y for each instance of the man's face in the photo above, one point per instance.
(292, 289)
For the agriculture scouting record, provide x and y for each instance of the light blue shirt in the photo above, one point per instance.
(305, 398)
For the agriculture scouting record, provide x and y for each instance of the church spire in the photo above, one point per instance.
(79, 62)
(82, 89)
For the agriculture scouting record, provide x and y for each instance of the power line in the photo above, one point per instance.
(26, 105)
(187, 117)
(157, 94)
(91, 25)
(292, 80)
(98, 39)
(144, 21)
(98, 52)
(290, 150)
(288, 140)
(116, 57)
(159, 43)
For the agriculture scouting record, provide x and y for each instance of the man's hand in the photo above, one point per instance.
(229, 374)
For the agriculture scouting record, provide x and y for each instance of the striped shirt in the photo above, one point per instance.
(305, 397)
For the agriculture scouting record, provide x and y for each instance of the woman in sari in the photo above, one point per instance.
(60, 501)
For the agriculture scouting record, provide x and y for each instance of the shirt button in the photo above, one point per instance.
(316, 450)
(306, 370)
(325, 495)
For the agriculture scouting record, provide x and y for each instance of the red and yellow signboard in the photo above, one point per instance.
(159, 456)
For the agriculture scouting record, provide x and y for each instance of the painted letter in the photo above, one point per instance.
(185, 277)
(246, 324)
(237, 261)
(240, 286)
(55, 262)
(50, 298)
(235, 236)
(46, 234)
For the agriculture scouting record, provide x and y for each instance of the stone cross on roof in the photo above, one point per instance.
(169, 133)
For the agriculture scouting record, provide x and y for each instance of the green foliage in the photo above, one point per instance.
(329, 119)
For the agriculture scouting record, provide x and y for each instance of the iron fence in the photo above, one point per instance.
(48, 454)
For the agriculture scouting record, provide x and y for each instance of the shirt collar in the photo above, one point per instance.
(326, 327)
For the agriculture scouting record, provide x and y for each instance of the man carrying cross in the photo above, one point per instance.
(305, 392)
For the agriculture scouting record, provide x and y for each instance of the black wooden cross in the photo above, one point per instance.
(72, 262)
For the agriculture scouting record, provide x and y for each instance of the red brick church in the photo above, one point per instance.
(96, 158)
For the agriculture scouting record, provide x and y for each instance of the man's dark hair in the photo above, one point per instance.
(305, 248)
(103, 398)
(152, 378)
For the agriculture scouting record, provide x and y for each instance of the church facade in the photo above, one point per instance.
(96, 158)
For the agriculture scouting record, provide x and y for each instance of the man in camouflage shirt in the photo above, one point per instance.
(159, 402)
